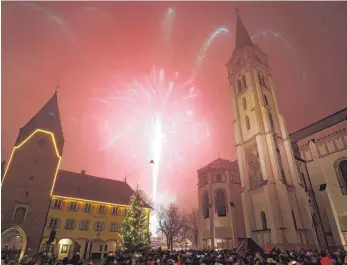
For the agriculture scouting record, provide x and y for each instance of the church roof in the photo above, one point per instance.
(320, 125)
(242, 38)
(83, 186)
(47, 118)
(222, 163)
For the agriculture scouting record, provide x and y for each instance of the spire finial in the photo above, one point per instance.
(56, 89)
(125, 178)
(237, 11)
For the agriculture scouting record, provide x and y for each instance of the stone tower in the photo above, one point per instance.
(30, 174)
(276, 209)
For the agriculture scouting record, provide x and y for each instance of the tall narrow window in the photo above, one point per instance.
(248, 125)
(342, 176)
(205, 205)
(266, 101)
(220, 203)
(239, 85)
(263, 220)
(294, 220)
(244, 103)
(260, 79)
(244, 83)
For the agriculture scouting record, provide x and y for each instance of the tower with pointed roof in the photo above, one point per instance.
(30, 175)
(275, 207)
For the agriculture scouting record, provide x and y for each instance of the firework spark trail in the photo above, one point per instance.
(160, 119)
(271, 33)
(168, 22)
(202, 54)
(51, 16)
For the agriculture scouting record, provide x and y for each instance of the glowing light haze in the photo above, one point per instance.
(116, 113)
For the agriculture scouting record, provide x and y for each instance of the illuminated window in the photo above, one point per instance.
(57, 204)
(115, 211)
(248, 125)
(105, 248)
(70, 224)
(73, 206)
(101, 247)
(99, 226)
(244, 103)
(84, 225)
(88, 207)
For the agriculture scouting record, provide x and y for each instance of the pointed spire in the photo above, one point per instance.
(47, 118)
(242, 38)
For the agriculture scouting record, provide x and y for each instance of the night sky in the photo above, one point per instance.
(87, 48)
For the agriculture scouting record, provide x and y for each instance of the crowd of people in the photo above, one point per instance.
(203, 257)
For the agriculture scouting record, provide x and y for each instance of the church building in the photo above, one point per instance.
(47, 209)
(292, 187)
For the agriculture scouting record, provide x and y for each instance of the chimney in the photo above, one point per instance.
(83, 172)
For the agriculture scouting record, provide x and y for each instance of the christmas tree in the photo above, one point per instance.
(135, 226)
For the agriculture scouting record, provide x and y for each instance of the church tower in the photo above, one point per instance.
(30, 175)
(276, 209)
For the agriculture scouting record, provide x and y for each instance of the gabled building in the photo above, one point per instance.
(38, 197)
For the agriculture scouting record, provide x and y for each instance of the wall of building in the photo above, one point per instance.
(321, 151)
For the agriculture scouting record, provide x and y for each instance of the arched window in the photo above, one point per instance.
(342, 176)
(239, 85)
(260, 79)
(248, 125)
(272, 124)
(220, 203)
(244, 83)
(205, 205)
(19, 215)
(244, 103)
(266, 101)
(294, 220)
(263, 220)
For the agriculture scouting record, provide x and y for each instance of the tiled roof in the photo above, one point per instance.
(47, 118)
(83, 186)
(223, 163)
(319, 125)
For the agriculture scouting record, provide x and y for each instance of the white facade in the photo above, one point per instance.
(323, 145)
(275, 205)
(220, 208)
